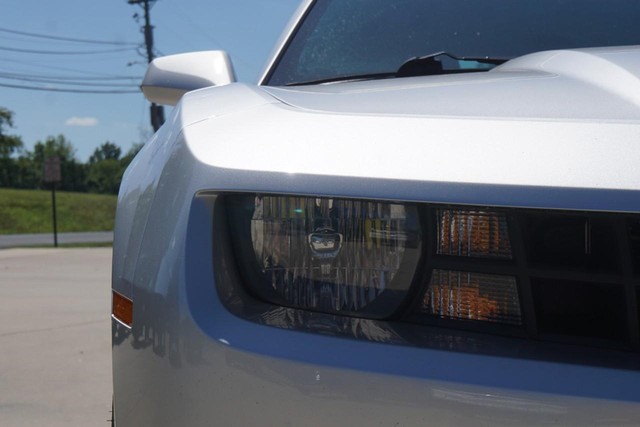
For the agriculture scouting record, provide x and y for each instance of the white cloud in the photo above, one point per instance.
(81, 121)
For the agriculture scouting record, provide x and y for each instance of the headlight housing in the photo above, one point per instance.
(548, 275)
(338, 256)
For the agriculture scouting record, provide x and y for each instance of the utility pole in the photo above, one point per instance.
(157, 111)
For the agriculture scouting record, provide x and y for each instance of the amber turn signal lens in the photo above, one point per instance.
(471, 233)
(473, 296)
(122, 309)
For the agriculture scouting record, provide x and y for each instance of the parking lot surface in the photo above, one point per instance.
(43, 239)
(55, 351)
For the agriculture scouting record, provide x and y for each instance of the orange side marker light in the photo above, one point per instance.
(122, 309)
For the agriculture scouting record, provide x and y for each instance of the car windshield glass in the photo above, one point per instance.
(350, 38)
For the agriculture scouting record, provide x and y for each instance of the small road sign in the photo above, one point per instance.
(52, 169)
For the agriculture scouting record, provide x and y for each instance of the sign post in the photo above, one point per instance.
(52, 175)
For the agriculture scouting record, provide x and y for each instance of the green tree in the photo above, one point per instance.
(107, 151)
(10, 145)
(105, 168)
(105, 176)
(28, 175)
(54, 146)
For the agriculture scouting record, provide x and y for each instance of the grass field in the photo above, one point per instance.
(29, 211)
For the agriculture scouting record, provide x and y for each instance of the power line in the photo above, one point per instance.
(66, 52)
(53, 67)
(67, 90)
(65, 82)
(77, 78)
(68, 39)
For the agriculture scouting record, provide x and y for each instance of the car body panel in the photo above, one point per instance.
(213, 362)
(552, 130)
(425, 149)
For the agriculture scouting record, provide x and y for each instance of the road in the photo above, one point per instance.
(55, 358)
(16, 240)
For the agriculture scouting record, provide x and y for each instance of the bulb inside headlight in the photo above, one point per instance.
(326, 254)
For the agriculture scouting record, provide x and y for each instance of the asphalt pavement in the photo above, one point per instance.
(21, 240)
(55, 351)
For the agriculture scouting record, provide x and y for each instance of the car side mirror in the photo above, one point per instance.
(169, 77)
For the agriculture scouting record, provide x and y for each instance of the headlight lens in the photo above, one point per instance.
(326, 254)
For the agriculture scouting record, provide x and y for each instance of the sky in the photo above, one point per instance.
(32, 54)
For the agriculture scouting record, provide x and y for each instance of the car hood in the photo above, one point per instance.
(596, 84)
(564, 119)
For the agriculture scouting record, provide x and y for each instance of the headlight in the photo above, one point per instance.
(556, 275)
(325, 254)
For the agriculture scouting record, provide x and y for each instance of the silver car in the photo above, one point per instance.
(425, 213)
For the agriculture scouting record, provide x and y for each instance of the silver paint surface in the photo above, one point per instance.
(533, 133)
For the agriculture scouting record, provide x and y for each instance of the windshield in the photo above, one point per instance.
(350, 38)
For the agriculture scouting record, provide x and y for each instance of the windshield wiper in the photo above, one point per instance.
(349, 78)
(418, 66)
(429, 65)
